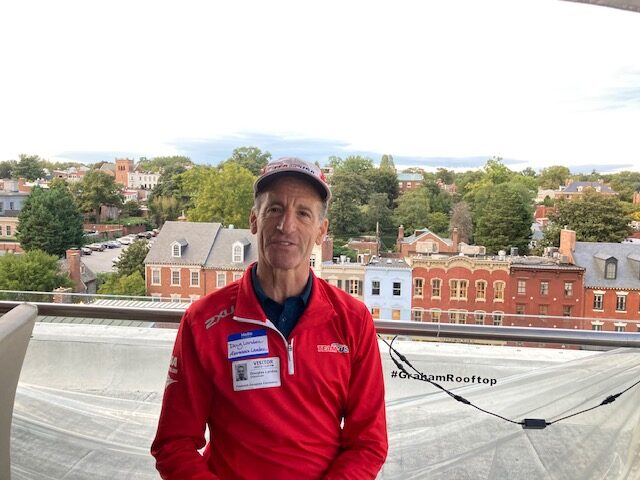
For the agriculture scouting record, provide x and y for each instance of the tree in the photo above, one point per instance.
(50, 221)
(132, 259)
(163, 164)
(130, 285)
(553, 177)
(163, 209)
(131, 208)
(386, 163)
(6, 168)
(378, 212)
(251, 158)
(33, 271)
(462, 220)
(505, 218)
(413, 209)
(224, 195)
(384, 180)
(445, 176)
(438, 223)
(28, 167)
(96, 189)
(594, 217)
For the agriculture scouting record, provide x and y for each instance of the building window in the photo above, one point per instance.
(498, 291)
(11, 206)
(195, 278)
(568, 289)
(237, 276)
(175, 250)
(237, 254)
(175, 298)
(481, 290)
(566, 310)
(221, 279)
(353, 287)
(544, 288)
(436, 287)
(458, 316)
(522, 287)
(155, 276)
(598, 301)
(479, 317)
(375, 287)
(520, 307)
(543, 309)
(416, 315)
(312, 261)
(395, 314)
(8, 230)
(193, 298)
(610, 269)
(339, 284)
(418, 287)
(497, 319)
(620, 327)
(621, 303)
(375, 312)
(596, 326)
(458, 289)
(175, 278)
(397, 289)
(156, 297)
(435, 315)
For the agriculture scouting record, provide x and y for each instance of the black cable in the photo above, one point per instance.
(526, 423)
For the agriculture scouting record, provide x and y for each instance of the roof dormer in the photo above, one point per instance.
(177, 248)
(238, 250)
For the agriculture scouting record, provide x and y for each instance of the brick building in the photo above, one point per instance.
(189, 260)
(123, 167)
(424, 241)
(409, 181)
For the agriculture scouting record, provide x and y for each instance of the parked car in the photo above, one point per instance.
(96, 247)
(124, 240)
(112, 244)
(86, 251)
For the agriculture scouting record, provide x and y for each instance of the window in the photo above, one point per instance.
(610, 269)
(237, 254)
(566, 310)
(312, 261)
(375, 312)
(339, 284)
(195, 278)
(458, 316)
(8, 230)
(543, 309)
(155, 276)
(1, 207)
(479, 317)
(458, 289)
(175, 278)
(598, 301)
(621, 303)
(596, 326)
(353, 287)
(11, 206)
(175, 250)
(544, 287)
(221, 279)
(193, 297)
(497, 319)
(397, 289)
(568, 289)
(435, 315)
(498, 291)
(481, 290)
(375, 287)
(620, 327)
(395, 314)
(418, 287)
(175, 298)
(522, 287)
(520, 307)
(416, 315)
(237, 276)
(436, 286)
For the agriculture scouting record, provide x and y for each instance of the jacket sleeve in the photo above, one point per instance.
(185, 408)
(364, 434)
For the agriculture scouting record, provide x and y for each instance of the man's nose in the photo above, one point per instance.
(287, 221)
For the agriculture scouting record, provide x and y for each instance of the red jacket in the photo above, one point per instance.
(329, 369)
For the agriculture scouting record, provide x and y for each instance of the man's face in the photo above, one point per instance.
(288, 224)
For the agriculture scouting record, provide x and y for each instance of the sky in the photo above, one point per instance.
(433, 83)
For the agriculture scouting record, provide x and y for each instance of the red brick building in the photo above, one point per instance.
(123, 167)
(424, 241)
(189, 260)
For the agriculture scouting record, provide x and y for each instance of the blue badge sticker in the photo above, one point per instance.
(247, 344)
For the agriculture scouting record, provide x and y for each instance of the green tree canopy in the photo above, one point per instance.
(377, 211)
(33, 271)
(163, 164)
(553, 177)
(413, 209)
(224, 195)
(130, 208)
(163, 209)
(438, 223)
(595, 217)
(251, 158)
(6, 168)
(96, 189)
(28, 167)
(132, 259)
(386, 163)
(505, 218)
(50, 221)
(130, 285)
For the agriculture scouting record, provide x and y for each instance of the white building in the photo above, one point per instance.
(142, 181)
(387, 289)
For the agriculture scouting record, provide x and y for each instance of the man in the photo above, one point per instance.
(311, 404)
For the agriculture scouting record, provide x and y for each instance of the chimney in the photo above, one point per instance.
(400, 238)
(73, 262)
(455, 238)
(567, 244)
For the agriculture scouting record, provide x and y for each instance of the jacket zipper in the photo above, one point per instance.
(287, 344)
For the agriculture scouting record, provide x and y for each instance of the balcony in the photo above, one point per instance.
(93, 376)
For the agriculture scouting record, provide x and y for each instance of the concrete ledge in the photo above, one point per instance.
(15, 331)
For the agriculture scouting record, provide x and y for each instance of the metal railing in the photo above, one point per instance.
(385, 327)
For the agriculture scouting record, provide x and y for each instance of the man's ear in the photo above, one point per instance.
(324, 228)
(253, 221)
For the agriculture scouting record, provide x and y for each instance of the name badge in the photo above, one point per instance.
(247, 344)
(255, 373)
